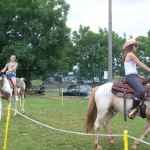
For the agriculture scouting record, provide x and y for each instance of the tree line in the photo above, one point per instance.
(37, 33)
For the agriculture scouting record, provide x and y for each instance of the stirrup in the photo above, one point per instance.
(131, 114)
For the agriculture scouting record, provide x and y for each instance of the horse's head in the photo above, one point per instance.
(1, 79)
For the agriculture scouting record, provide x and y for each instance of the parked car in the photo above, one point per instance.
(77, 90)
(69, 79)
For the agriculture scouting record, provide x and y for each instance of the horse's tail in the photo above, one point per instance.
(91, 112)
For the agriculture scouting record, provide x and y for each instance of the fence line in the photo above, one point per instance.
(79, 133)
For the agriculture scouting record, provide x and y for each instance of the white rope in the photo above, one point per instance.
(66, 130)
(139, 140)
(79, 133)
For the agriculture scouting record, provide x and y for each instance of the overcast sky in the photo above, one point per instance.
(128, 16)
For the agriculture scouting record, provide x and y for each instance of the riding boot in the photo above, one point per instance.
(132, 110)
(16, 98)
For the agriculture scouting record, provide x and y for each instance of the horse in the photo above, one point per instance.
(103, 104)
(6, 92)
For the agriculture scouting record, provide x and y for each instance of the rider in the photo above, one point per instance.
(132, 77)
(10, 69)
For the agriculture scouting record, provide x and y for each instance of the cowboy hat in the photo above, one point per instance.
(129, 42)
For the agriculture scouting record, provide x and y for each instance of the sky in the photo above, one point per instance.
(128, 16)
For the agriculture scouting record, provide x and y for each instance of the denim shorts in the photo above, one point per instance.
(11, 75)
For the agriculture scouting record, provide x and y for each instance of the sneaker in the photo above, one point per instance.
(16, 98)
(131, 113)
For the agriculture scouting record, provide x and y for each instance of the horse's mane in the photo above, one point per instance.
(92, 111)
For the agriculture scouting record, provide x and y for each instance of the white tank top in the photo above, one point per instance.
(130, 67)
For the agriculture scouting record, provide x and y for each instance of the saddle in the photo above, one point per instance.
(6, 95)
(120, 88)
(19, 82)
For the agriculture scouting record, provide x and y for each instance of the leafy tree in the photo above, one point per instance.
(117, 53)
(36, 32)
(91, 49)
(143, 51)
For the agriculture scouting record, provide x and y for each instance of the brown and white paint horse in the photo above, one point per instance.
(100, 112)
(6, 92)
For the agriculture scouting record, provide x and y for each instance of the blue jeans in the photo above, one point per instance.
(134, 81)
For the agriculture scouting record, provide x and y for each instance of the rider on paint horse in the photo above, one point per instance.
(10, 69)
(130, 61)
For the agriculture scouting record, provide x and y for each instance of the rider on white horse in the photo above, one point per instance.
(132, 77)
(10, 69)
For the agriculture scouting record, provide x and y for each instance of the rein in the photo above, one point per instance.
(1, 82)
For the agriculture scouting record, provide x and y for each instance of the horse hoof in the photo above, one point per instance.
(111, 145)
(132, 148)
(97, 146)
(23, 113)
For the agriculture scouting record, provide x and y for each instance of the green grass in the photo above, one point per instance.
(36, 83)
(24, 134)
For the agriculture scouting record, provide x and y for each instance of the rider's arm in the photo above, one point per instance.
(4, 69)
(14, 68)
(138, 62)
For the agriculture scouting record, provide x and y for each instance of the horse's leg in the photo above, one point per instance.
(97, 126)
(0, 108)
(99, 121)
(106, 121)
(23, 101)
(146, 132)
(16, 107)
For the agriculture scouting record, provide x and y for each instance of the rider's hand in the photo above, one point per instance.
(141, 77)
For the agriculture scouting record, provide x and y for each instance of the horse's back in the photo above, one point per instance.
(104, 90)
(104, 96)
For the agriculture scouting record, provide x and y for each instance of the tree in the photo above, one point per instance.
(36, 32)
(91, 49)
(143, 51)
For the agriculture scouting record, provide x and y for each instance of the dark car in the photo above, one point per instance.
(77, 90)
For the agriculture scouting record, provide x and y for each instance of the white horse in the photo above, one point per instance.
(7, 93)
(101, 106)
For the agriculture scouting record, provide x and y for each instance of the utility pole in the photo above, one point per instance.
(110, 41)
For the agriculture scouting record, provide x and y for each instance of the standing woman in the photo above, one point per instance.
(10, 69)
(132, 78)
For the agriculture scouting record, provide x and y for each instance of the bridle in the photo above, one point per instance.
(1, 81)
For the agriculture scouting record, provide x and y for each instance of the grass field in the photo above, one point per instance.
(24, 134)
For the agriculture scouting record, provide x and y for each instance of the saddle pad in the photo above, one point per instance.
(19, 82)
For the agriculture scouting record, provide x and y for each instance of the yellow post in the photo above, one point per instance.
(62, 98)
(7, 124)
(125, 140)
(20, 101)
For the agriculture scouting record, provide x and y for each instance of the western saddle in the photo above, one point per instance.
(120, 88)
